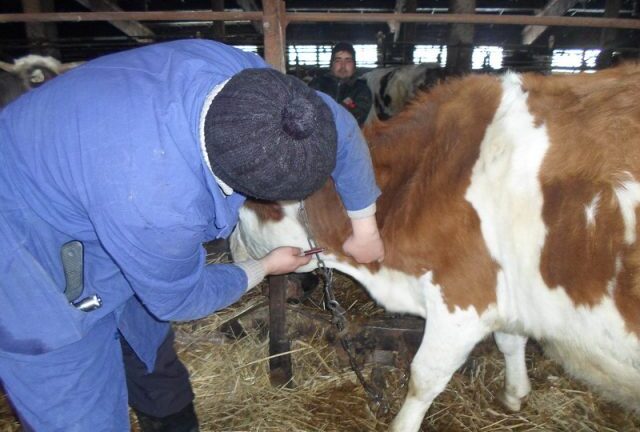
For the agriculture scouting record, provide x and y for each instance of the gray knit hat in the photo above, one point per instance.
(269, 136)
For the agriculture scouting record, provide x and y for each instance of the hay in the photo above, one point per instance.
(233, 393)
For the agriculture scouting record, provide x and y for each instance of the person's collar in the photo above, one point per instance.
(349, 80)
(226, 189)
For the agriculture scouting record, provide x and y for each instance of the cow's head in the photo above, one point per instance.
(393, 88)
(35, 70)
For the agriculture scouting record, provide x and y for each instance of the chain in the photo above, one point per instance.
(339, 316)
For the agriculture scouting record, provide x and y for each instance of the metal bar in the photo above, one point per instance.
(302, 17)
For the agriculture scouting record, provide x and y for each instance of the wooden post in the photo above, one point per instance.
(608, 36)
(460, 43)
(274, 24)
(408, 33)
(41, 33)
(217, 27)
(280, 366)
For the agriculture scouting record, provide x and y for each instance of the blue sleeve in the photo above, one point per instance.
(164, 264)
(353, 175)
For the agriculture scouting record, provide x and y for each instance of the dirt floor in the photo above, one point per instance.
(227, 355)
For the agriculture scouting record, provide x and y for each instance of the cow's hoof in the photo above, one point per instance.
(510, 402)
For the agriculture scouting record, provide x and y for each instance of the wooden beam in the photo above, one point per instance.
(130, 28)
(274, 25)
(553, 8)
(302, 17)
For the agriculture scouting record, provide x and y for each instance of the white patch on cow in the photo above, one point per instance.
(394, 290)
(591, 210)
(595, 345)
(446, 343)
(591, 341)
(628, 195)
(507, 196)
(259, 238)
(611, 286)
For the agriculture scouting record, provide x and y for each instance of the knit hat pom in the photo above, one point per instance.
(298, 119)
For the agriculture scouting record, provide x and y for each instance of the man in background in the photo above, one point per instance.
(342, 84)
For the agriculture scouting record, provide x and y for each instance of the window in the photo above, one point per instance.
(309, 55)
(573, 60)
(486, 57)
(320, 55)
(430, 54)
(248, 48)
(366, 55)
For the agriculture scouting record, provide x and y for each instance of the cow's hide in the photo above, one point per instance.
(392, 88)
(509, 205)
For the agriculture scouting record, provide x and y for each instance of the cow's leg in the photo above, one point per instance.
(516, 383)
(447, 341)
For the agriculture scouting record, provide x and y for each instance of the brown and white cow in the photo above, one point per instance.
(510, 206)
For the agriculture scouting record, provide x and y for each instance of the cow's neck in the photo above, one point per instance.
(417, 167)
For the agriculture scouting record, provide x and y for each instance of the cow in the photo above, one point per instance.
(27, 73)
(509, 206)
(392, 88)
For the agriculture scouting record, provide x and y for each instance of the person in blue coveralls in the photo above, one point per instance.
(140, 157)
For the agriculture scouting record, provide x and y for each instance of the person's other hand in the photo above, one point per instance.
(365, 244)
(284, 260)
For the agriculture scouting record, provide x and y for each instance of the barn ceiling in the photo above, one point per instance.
(84, 40)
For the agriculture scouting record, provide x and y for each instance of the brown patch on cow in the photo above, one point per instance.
(627, 291)
(593, 121)
(266, 211)
(423, 160)
(577, 255)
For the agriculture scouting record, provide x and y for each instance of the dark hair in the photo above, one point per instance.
(343, 46)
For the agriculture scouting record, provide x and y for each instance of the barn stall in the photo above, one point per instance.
(229, 354)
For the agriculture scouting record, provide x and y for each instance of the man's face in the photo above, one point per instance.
(343, 65)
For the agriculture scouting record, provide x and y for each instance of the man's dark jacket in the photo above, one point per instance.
(353, 94)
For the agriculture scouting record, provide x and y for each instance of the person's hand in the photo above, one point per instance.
(283, 260)
(365, 244)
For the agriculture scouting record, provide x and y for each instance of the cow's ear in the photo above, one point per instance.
(7, 67)
(266, 210)
(66, 66)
